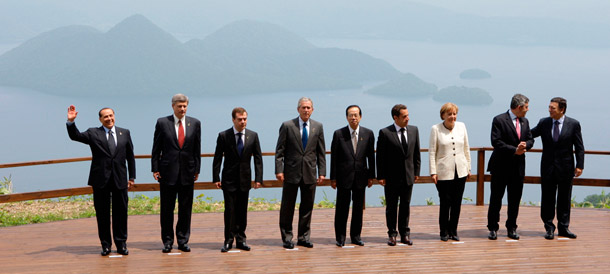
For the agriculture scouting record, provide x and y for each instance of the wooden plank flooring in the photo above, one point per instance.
(73, 247)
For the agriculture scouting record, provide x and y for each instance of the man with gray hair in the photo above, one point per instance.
(300, 149)
(176, 160)
(511, 138)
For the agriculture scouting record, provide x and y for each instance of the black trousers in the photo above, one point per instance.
(168, 195)
(392, 195)
(236, 215)
(289, 196)
(102, 198)
(556, 189)
(344, 197)
(450, 194)
(513, 185)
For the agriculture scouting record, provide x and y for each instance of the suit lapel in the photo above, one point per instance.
(394, 138)
(509, 122)
(347, 140)
(297, 133)
(172, 129)
(102, 136)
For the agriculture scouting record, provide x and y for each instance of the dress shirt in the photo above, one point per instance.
(513, 118)
(243, 135)
(113, 133)
(400, 133)
(301, 127)
(563, 117)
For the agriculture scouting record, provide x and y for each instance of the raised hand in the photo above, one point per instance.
(72, 113)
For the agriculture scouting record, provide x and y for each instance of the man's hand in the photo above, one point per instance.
(577, 172)
(370, 183)
(381, 182)
(280, 177)
(333, 184)
(258, 185)
(157, 176)
(218, 184)
(434, 178)
(130, 184)
(320, 180)
(521, 148)
(196, 177)
(72, 113)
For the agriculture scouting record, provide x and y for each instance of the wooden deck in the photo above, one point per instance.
(73, 247)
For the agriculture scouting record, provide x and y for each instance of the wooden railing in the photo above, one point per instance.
(480, 178)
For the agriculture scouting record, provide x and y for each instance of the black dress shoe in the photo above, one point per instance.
(340, 244)
(549, 235)
(105, 251)
(305, 244)
(358, 242)
(123, 251)
(392, 241)
(226, 247)
(288, 245)
(444, 238)
(184, 248)
(167, 248)
(492, 235)
(406, 240)
(455, 237)
(567, 233)
(243, 246)
(512, 233)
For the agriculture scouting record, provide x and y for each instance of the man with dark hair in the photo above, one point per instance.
(561, 141)
(111, 150)
(176, 161)
(237, 146)
(352, 169)
(398, 166)
(511, 138)
(299, 152)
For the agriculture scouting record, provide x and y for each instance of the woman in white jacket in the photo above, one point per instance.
(449, 168)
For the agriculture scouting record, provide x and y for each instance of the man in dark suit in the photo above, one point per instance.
(111, 149)
(300, 149)
(176, 160)
(352, 169)
(510, 137)
(398, 166)
(237, 145)
(561, 141)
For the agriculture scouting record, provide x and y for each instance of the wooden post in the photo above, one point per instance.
(480, 176)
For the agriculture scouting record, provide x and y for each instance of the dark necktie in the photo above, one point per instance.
(180, 134)
(240, 144)
(403, 140)
(304, 136)
(111, 143)
(556, 132)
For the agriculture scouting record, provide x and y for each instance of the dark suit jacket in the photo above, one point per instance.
(505, 141)
(295, 162)
(169, 159)
(559, 156)
(237, 173)
(352, 169)
(104, 164)
(393, 164)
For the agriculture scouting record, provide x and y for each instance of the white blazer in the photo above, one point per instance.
(448, 150)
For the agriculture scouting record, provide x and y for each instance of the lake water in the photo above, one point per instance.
(34, 122)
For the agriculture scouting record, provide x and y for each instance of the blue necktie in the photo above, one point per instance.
(304, 137)
(240, 144)
(556, 132)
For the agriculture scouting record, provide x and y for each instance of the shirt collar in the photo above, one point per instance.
(397, 127)
(176, 119)
(301, 121)
(563, 117)
(351, 131)
(106, 129)
(235, 131)
(512, 115)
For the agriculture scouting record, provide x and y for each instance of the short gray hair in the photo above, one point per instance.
(304, 99)
(179, 98)
(518, 100)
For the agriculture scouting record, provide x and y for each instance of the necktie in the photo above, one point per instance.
(403, 140)
(354, 141)
(240, 144)
(518, 128)
(111, 143)
(304, 136)
(180, 134)
(556, 132)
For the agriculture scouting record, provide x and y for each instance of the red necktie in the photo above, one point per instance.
(180, 134)
(518, 128)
